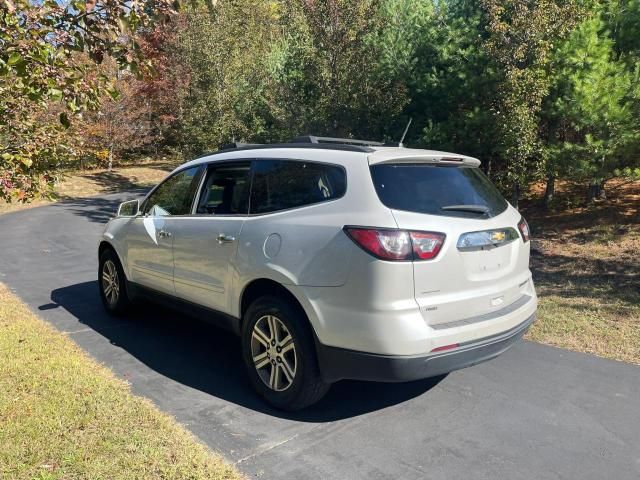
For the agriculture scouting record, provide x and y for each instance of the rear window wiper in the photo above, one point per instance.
(482, 209)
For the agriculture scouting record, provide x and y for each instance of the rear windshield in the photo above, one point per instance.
(437, 190)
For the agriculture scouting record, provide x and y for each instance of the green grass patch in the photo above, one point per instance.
(63, 416)
(589, 324)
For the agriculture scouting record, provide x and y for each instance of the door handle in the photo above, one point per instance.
(223, 238)
(164, 234)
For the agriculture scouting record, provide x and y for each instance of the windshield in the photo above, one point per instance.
(437, 190)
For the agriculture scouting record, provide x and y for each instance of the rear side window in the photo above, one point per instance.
(283, 184)
(437, 190)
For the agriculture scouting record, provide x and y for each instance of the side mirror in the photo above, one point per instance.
(129, 209)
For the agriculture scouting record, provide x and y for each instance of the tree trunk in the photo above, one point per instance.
(110, 157)
(515, 194)
(602, 194)
(550, 191)
(594, 191)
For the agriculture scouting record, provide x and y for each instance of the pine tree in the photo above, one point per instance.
(520, 39)
(589, 113)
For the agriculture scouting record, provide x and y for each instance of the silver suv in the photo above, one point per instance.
(330, 261)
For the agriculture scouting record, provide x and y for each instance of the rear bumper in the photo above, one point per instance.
(338, 364)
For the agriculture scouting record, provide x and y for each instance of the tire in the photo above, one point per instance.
(297, 383)
(112, 283)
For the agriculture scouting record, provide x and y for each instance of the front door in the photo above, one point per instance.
(205, 244)
(150, 238)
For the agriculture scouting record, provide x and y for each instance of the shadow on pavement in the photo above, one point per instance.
(206, 358)
(98, 209)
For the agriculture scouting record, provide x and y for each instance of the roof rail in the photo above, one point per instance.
(343, 141)
(324, 146)
(230, 146)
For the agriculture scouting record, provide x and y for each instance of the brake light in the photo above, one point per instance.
(390, 244)
(523, 226)
(384, 244)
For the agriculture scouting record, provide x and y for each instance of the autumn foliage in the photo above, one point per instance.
(538, 90)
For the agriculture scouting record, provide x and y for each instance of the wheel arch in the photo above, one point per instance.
(264, 286)
(106, 245)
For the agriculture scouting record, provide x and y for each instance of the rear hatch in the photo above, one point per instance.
(482, 270)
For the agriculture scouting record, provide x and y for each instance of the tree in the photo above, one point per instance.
(47, 53)
(590, 110)
(224, 50)
(268, 71)
(520, 36)
(326, 65)
(434, 48)
(621, 19)
(121, 123)
(163, 87)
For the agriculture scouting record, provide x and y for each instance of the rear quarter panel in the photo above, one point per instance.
(306, 246)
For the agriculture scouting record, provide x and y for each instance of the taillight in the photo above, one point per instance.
(523, 226)
(426, 245)
(384, 244)
(390, 244)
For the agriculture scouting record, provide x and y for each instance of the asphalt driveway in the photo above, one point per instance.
(534, 413)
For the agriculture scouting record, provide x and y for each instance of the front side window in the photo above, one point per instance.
(283, 184)
(175, 195)
(226, 189)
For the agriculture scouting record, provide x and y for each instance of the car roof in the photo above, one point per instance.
(302, 151)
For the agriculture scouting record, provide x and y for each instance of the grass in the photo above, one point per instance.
(584, 324)
(87, 183)
(63, 416)
(587, 273)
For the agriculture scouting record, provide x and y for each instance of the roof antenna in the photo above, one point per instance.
(405, 132)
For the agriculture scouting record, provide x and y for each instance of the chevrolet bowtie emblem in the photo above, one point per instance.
(497, 236)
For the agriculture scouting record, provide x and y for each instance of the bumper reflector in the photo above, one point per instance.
(445, 347)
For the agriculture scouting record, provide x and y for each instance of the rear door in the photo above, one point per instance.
(469, 278)
(205, 244)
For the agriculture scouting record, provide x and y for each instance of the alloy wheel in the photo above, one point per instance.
(110, 282)
(274, 353)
